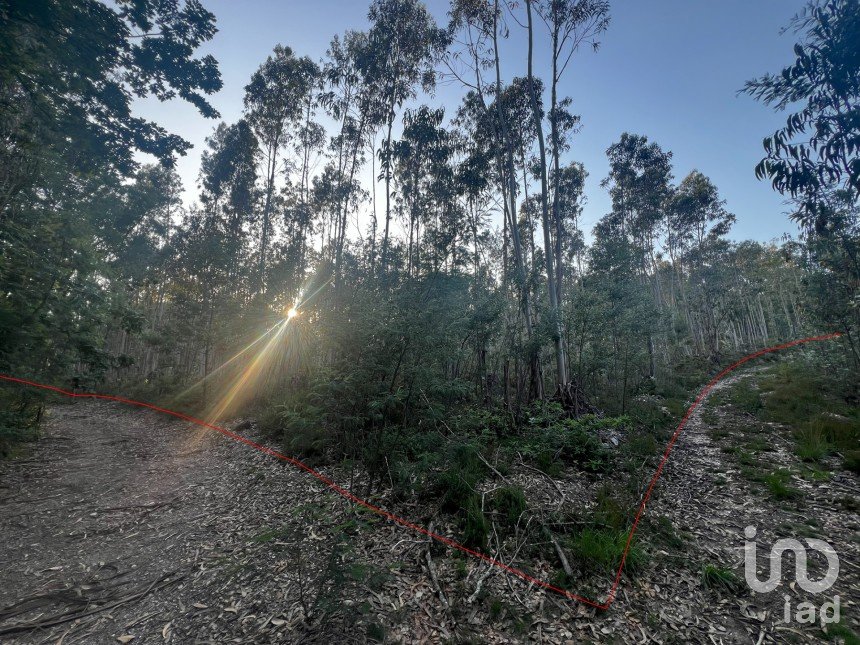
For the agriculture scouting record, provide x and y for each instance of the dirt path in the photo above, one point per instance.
(710, 498)
(135, 525)
(119, 506)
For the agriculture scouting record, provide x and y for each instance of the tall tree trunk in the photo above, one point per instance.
(561, 368)
(556, 161)
(384, 261)
(267, 208)
(534, 365)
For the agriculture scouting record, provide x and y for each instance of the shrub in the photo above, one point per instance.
(568, 441)
(19, 420)
(812, 443)
(457, 482)
(302, 431)
(509, 503)
(609, 512)
(600, 550)
(475, 524)
(744, 398)
(852, 461)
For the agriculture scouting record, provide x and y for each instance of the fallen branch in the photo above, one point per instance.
(60, 619)
(488, 465)
(561, 556)
(432, 569)
(540, 472)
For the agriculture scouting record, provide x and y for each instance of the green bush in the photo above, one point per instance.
(744, 398)
(509, 503)
(820, 404)
(600, 550)
(19, 420)
(609, 511)
(302, 431)
(475, 524)
(458, 481)
(550, 442)
(812, 443)
(851, 460)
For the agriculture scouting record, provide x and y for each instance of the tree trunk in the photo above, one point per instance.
(561, 368)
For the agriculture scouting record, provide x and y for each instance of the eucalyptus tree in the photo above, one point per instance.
(69, 75)
(485, 110)
(228, 174)
(814, 157)
(69, 72)
(403, 44)
(696, 214)
(228, 177)
(571, 24)
(639, 184)
(308, 146)
(816, 152)
(568, 199)
(696, 223)
(549, 252)
(356, 107)
(420, 156)
(274, 99)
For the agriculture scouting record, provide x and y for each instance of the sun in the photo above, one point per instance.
(292, 312)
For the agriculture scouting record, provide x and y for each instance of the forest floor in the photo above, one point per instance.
(121, 525)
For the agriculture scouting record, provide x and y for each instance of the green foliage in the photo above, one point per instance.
(777, 484)
(458, 481)
(720, 579)
(552, 441)
(610, 512)
(840, 632)
(20, 413)
(816, 151)
(475, 524)
(744, 398)
(496, 608)
(812, 443)
(77, 89)
(600, 551)
(817, 404)
(665, 533)
(509, 502)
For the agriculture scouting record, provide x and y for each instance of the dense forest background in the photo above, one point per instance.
(271, 293)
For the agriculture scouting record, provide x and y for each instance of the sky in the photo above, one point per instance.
(667, 69)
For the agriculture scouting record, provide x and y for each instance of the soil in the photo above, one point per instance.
(122, 525)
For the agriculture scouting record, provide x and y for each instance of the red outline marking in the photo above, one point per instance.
(420, 529)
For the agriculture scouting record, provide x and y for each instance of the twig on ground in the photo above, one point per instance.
(488, 465)
(540, 472)
(432, 570)
(561, 556)
(60, 619)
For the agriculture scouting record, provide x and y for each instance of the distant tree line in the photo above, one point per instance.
(105, 274)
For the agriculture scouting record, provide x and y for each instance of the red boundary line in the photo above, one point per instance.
(420, 529)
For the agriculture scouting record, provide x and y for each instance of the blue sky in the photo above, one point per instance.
(668, 69)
